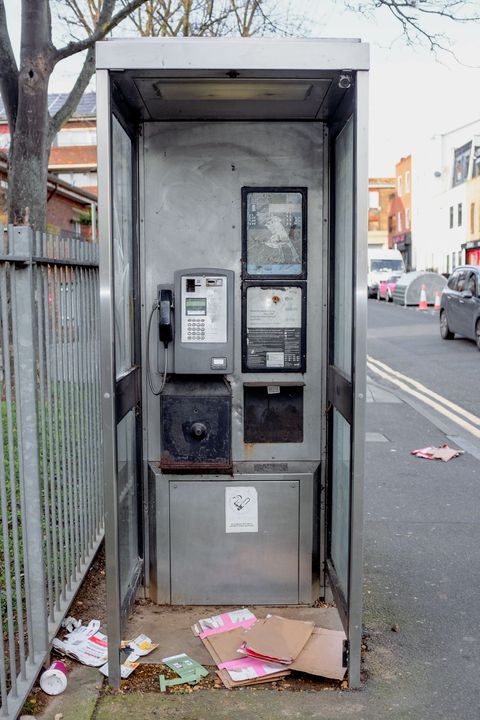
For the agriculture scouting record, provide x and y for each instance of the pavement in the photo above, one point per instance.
(421, 609)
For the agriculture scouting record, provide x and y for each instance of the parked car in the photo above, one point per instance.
(460, 304)
(386, 287)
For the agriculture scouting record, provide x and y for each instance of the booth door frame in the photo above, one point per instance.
(121, 382)
(346, 377)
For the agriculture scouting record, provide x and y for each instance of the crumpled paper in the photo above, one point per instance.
(442, 452)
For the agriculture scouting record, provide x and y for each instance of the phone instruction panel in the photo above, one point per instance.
(274, 328)
(204, 309)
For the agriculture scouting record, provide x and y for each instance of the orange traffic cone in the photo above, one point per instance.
(423, 299)
(436, 307)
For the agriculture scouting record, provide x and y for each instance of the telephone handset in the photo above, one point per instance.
(164, 307)
(165, 320)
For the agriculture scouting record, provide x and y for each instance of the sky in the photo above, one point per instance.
(414, 94)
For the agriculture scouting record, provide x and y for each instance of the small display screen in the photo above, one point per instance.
(196, 306)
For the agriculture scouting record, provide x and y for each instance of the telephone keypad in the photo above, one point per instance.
(195, 329)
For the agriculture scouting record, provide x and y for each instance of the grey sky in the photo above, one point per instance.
(413, 95)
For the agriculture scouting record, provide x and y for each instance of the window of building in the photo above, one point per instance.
(373, 199)
(407, 181)
(399, 186)
(451, 216)
(407, 218)
(4, 140)
(399, 222)
(460, 163)
(81, 136)
(459, 214)
(476, 157)
(454, 264)
(472, 218)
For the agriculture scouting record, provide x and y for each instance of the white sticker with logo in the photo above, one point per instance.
(241, 509)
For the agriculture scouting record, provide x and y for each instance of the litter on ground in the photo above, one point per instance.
(248, 651)
(442, 452)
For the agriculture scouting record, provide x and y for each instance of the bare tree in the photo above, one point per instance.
(171, 18)
(24, 88)
(216, 17)
(417, 18)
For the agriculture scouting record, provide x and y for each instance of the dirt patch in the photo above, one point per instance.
(146, 679)
(91, 600)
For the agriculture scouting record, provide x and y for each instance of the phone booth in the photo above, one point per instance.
(233, 223)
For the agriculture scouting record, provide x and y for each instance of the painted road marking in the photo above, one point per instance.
(429, 397)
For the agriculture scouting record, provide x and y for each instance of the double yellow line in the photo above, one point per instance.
(445, 407)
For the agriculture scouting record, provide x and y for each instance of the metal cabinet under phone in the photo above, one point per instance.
(197, 559)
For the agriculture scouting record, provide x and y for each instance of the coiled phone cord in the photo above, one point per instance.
(149, 371)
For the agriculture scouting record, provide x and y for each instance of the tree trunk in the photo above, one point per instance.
(27, 178)
(27, 181)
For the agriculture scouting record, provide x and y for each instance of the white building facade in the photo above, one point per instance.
(442, 200)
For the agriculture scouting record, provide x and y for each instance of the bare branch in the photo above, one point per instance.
(106, 23)
(69, 106)
(411, 15)
(8, 71)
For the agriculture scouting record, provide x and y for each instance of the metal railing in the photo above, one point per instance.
(51, 499)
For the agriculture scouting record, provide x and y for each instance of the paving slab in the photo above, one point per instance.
(245, 704)
(170, 626)
(79, 699)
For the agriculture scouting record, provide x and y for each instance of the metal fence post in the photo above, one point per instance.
(21, 240)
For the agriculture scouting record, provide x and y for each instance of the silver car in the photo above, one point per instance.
(460, 304)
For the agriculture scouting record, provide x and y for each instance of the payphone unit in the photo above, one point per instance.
(203, 342)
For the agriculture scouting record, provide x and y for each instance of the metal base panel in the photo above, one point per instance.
(242, 540)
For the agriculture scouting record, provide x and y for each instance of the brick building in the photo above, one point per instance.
(379, 192)
(69, 210)
(400, 211)
(73, 156)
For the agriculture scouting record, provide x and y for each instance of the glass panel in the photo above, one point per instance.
(122, 247)
(274, 227)
(340, 509)
(342, 321)
(127, 499)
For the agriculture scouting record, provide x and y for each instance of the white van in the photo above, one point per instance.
(382, 264)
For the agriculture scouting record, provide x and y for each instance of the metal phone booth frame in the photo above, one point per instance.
(208, 149)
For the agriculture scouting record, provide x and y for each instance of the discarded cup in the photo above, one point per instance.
(54, 680)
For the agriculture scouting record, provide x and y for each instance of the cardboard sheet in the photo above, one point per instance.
(229, 683)
(247, 668)
(223, 647)
(226, 621)
(323, 654)
(276, 638)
